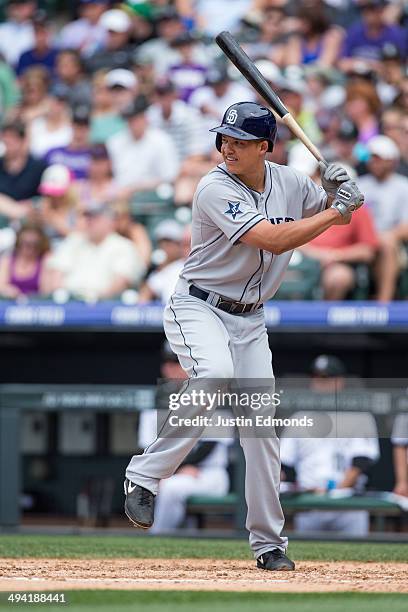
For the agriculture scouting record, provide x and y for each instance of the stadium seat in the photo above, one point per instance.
(302, 279)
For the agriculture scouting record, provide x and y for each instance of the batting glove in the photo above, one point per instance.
(348, 198)
(332, 176)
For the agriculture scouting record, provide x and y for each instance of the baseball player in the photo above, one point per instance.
(248, 216)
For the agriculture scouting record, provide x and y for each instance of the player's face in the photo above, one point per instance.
(241, 156)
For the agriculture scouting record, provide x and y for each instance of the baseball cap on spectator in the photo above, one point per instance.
(185, 38)
(120, 77)
(168, 230)
(383, 147)
(168, 13)
(347, 130)
(167, 354)
(139, 105)
(145, 10)
(55, 180)
(270, 71)
(81, 115)
(115, 20)
(327, 365)
(216, 75)
(40, 19)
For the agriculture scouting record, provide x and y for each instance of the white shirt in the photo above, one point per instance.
(163, 282)
(43, 140)
(152, 157)
(320, 460)
(236, 92)
(399, 434)
(387, 200)
(185, 126)
(15, 39)
(91, 268)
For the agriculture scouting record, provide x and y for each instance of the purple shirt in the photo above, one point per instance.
(358, 44)
(29, 284)
(77, 161)
(187, 78)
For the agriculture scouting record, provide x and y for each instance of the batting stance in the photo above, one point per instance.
(248, 216)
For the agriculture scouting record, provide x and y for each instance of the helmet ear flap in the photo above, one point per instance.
(218, 141)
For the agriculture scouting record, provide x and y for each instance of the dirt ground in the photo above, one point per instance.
(198, 574)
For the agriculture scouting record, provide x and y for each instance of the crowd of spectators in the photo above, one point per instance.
(105, 109)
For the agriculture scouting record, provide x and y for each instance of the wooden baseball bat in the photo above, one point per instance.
(247, 68)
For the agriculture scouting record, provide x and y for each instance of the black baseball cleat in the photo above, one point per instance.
(139, 505)
(275, 560)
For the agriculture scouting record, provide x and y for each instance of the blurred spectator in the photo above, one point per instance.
(106, 121)
(324, 464)
(399, 439)
(394, 124)
(57, 209)
(129, 228)
(142, 157)
(180, 121)
(123, 86)
(9, 90)
(160, 284)
(270, 39)
(97, 263)
(186, 74)
(53, 129)
(386, 196)
(363, 107)
(70, 74)
(343, 145)
(20, 174)
(218, 94)
(317, 41)
(86, 34)
(34, 94)
(339, 249)
(42, 53)
(217, 15)
(366, 38)
(191, 172)
(99, 186)
(118, 49)
(77, 154)
(292, 93)
(159, 52)
(24, 271)
(391, 75)
(16, 33)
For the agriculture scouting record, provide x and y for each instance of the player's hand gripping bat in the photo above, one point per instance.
(247, 68)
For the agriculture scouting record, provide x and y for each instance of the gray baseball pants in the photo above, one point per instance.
(212, 344)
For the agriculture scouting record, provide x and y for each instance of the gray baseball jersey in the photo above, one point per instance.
(224, 209)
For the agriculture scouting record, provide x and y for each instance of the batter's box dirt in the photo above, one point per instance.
(199, 574)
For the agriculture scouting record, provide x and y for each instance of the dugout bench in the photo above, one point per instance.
(203, 506)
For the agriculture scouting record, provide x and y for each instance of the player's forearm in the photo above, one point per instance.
(278, 239)
(350, 478)
(400, 464)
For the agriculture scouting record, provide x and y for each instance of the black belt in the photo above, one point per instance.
(223, 303)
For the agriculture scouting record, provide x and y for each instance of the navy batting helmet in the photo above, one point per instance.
(247, 121)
